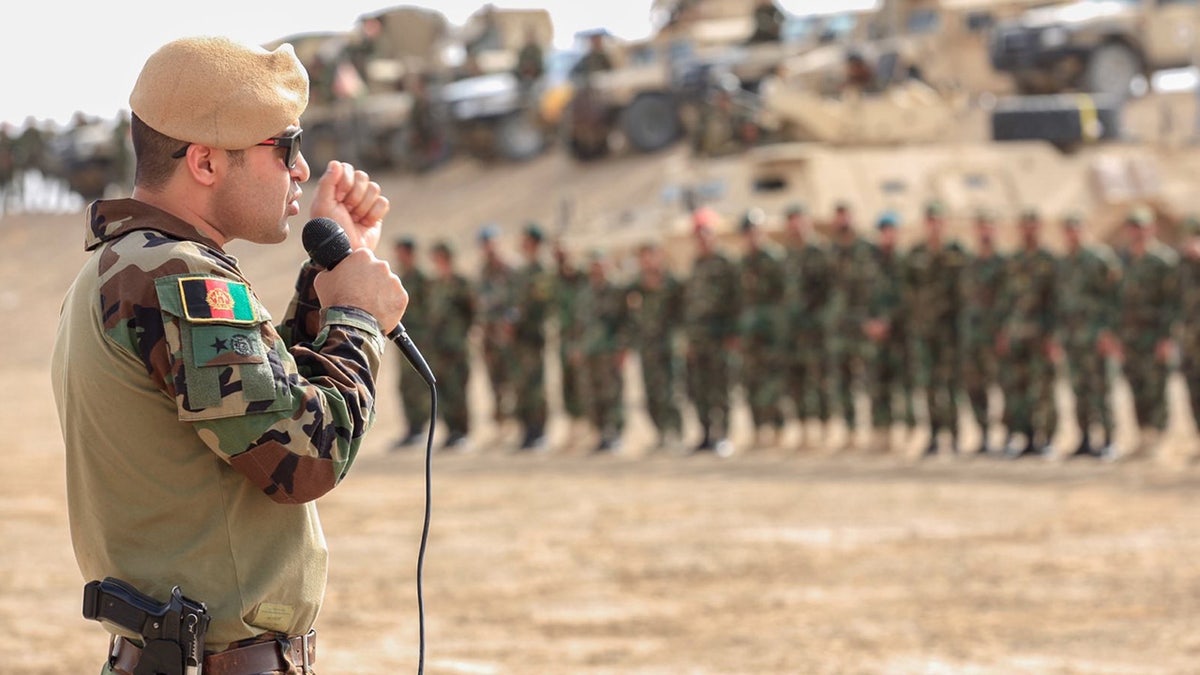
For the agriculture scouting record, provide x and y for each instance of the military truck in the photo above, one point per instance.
(1103, 46)
(492, 113)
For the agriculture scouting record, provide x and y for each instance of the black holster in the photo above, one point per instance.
(172, 632)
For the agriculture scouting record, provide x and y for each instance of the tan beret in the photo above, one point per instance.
(220, 93)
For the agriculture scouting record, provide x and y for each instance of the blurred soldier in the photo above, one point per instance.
(1088, 277)
(724, 127)
(768, 22)
(1026, 342)
(656, 301)
(414, 394)
(710, 302)
(596, 59)
(449, 316)
(604, 310)
(860, 76)
(530, 60)
(980, 320)
(1148, 305)
(806, 295)
(532, 288)
(760, 327)
(494, 297)
(932, 281)
(122, 151)
(487, 33)
(569, 284)
(1189, 272)
(887, 329)
(854, 275)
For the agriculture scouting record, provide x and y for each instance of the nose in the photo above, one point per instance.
(301, 172)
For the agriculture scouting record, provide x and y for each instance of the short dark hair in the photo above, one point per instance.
(152, 150)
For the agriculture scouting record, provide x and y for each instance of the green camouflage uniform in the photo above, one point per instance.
(198, 435)
(980, 320)
(657, 315)
(604, 312)
(710, 302)
(494, 295)
(414, 393)
(1086, 303)
(1189, 272)
(807, 279)
(892, 371)
(854, 273)
(450, 313)
(1148, 301)
(1027, 374)
(932, 283)
(570, 285)
(532, 292)
(760, 332)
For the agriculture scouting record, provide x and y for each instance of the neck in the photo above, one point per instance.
(181, 209)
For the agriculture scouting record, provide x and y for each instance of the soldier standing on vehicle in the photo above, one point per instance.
(530, 60)
(604, 310)
(980, 320)
(596, 60)
(854, 275)
(932, 281)
(656, 303)
(1148, 308)
(887, 329)
(1088, 277)
(1026, 342)
(760, 328)
(450, 314)
(568, 286)
(532, 288)
(414, 393)
(494, 296)
(710, 307)
(1189, 272)
(768, 22)
(807, 287)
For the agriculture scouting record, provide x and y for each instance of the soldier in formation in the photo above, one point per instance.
(760, 326)
(890, 374)
(656, 303)
(807, 287)
(853, 278)
(414, 394)
(979, 321)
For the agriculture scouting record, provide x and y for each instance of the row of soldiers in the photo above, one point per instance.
(816, 322)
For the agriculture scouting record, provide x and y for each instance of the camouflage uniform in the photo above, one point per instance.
(1189, 273)
(198, 435)
(1027, 374)
(604, 309)
(570, 284)
(657, 314)
(414, 393)
(1148, 300)
(494, 295)
(450, 314)
(932, 283)
(532, 289)
(807, 280)
(710, 301)
(1086, 303)
(980, 320)
(760, 327)
(854, 275)
(892, 371)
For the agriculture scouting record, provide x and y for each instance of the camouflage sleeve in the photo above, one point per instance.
(302, 322)
(1173, 299)
(291, 418)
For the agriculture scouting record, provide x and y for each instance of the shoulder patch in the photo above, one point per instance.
(209, 299)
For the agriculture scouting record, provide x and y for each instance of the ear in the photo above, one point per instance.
(203, 163)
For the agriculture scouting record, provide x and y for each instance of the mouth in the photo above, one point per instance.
(294, 202)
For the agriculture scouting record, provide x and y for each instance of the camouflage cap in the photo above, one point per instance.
(488, 232)
(935, 209)
(1073, 219)
(1030, 215)
(534, 232)
(1140, 217)
(753, 219)
(443, 247)
(220, 93)
(985, 215)
(888, 220)
(1191, 225)
(796, 209)
(406, 241)
(841, 206)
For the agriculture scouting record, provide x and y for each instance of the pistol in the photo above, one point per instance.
(173, 631)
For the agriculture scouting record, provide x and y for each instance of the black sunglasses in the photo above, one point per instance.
(291, 141)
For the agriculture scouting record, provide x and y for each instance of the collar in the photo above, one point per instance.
(109, 219)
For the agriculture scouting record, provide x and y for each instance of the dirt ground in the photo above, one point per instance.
(769, 562)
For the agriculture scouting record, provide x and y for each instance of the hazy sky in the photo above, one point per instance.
(59, 56)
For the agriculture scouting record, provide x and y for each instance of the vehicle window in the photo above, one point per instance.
(923, 21)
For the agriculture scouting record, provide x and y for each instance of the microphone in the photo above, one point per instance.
(327, 245)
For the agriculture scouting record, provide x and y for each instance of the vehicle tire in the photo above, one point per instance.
(518, 137)
(651, 122)
(1111, 69)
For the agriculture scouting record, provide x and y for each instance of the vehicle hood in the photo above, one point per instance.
(1074, 13)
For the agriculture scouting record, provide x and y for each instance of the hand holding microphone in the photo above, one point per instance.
(360, 280)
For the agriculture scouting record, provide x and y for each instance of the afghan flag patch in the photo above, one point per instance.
(209, 299)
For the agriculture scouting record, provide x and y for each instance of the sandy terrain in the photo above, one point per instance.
(769, 562)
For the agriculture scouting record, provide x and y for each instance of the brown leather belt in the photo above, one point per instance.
(286, 655)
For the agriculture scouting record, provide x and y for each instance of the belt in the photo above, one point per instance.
(287, 655)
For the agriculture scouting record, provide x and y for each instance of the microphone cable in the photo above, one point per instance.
(433, 401)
